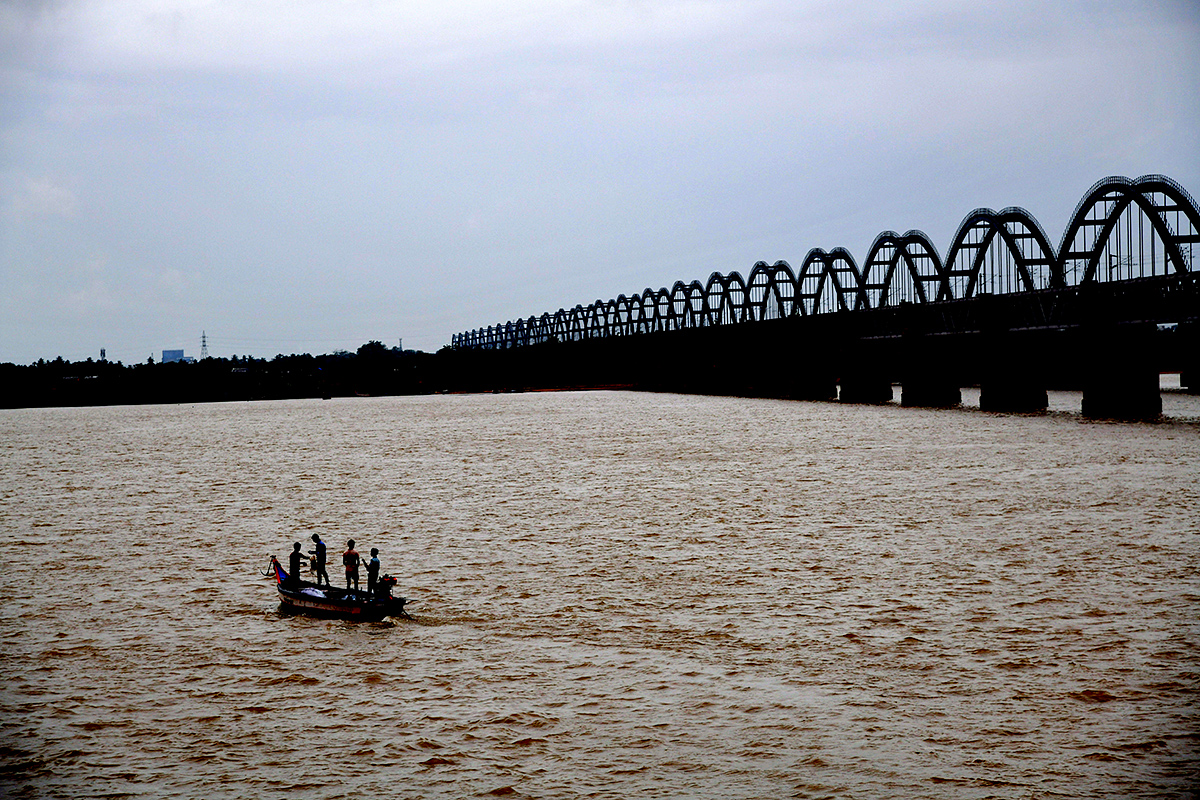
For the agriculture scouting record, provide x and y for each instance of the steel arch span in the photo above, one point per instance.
(829, 282)
(772, 291)
(1121, 230)
(1100, 239)
(1008, 247)
(901, 269)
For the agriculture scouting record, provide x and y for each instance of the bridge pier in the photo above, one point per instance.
(865, 377)
(766, 377)
(1188, 338)
(736, 361)
(1011, 392)
(929, 390)
(1121, 375)
(765, 364)
(1012, 377)
(820, 386)
(1126, 391)
(865, 386)
(929, 376)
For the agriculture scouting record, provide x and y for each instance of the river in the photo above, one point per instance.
(617, 594)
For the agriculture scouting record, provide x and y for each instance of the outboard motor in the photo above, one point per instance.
(384, 587)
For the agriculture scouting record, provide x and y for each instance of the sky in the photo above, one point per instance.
(304, 176)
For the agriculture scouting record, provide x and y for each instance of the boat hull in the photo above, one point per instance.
(353, 606)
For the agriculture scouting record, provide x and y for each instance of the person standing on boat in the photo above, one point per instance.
(294, 559)
(320, 554)
(350, 559)
(373, 572)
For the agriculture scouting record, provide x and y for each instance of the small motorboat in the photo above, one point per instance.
(305, 597)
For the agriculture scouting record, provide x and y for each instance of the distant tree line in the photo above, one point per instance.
(374, 369)
(734, 360)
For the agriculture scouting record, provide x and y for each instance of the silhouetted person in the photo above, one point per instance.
(350, 559)
(295, 558)
(373, 572)
(320, 554)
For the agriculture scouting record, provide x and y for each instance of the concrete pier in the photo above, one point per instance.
(865, 386)
(1012, 374)
(929, 391)
(1120, 381)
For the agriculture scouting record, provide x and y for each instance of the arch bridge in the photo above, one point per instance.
(1125, 265)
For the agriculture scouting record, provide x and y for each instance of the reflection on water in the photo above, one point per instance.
(618, 594)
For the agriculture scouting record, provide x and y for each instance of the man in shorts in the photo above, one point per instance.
(351, 560)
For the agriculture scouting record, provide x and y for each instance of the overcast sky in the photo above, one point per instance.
(306, 175)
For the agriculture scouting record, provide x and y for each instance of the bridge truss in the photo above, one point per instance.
(1122, 230)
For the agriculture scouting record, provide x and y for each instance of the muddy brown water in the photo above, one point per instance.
(618, 594)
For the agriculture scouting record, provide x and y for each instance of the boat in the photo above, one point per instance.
(305, 597)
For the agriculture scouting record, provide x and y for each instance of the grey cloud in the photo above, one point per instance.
(381, 173)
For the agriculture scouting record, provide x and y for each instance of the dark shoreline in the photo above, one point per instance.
(371, 371)
(732, 361)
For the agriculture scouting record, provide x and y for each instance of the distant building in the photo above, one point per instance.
(176, 355)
